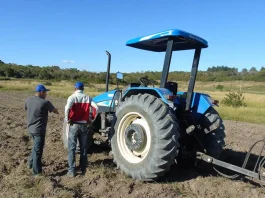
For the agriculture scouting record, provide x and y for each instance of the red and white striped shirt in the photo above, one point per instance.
(80, 108)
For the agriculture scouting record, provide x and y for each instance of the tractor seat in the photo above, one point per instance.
(172, 86)
(129, 86)
(134, 84)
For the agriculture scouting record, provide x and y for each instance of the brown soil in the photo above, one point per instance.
(102, 178)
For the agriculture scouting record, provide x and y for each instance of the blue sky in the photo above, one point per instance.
(76, 33)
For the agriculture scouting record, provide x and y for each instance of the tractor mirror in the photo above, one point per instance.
(119, 75)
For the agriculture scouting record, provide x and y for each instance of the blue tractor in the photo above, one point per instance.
(150, 128)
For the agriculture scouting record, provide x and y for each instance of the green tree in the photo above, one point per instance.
(244, 72)
(253, 70)
(10, 72)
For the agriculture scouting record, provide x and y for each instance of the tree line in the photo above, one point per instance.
(55, 73)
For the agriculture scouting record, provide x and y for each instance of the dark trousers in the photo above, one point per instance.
(79, 131)
(36, 154)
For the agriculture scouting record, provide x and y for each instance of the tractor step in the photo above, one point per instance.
(257, 174)
(105, 132)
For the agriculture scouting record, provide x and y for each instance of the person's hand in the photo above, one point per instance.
(89, 122)
(55, 110)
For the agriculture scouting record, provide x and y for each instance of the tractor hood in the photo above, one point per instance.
(104, 100)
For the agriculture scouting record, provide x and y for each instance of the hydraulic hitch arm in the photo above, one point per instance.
(237, 169)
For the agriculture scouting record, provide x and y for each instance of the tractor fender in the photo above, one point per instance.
(201, 103)
(161, 93)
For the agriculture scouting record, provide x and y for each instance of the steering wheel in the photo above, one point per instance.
(144, 81)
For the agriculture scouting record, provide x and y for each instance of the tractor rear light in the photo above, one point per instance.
(170, 97)
(215, 102)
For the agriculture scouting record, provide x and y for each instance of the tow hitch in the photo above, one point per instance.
(257, 174)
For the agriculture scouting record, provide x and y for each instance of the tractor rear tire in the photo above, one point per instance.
(214, 141)
(145, 137)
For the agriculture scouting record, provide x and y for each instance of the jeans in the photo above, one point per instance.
(36, 154)
(79, 131)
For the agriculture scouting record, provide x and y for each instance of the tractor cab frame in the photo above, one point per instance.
(169, 41)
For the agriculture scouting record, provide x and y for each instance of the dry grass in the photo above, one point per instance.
(245, 87)
(254, 93)
(59, 89)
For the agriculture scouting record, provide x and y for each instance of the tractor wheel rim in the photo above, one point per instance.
(129, 155)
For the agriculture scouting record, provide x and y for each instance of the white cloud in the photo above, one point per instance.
(68, 61)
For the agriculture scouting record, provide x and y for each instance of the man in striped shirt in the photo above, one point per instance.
(80, 112)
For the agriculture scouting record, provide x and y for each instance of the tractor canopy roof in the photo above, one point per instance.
(158, 42)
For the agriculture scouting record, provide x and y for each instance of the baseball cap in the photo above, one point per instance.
(40, 88)
(79, 85)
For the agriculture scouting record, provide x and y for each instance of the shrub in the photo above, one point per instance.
(47, 83)
(5, 78)
(220, 87)
(101, 89)
(233, 99)
(89, 85)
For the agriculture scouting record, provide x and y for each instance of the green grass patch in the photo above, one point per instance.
(247, 114)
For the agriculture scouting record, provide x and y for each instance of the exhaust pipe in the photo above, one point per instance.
(108, 71)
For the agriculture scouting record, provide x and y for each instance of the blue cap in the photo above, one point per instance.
(79, 85)
(40, 88)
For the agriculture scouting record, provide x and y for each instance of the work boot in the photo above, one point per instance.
(83, 172)
(111, 153)
(71, 174)
(38, 175)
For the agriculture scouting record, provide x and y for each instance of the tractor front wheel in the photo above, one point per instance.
(145, 139)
